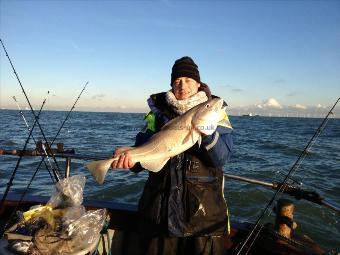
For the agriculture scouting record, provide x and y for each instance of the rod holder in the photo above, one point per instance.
(284, 223)
(39, 146)
(60, 147)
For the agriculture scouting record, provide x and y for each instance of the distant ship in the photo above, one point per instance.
(250, 115)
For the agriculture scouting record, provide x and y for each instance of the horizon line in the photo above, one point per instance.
(245, 114)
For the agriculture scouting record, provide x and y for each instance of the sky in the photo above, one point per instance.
(264, 57)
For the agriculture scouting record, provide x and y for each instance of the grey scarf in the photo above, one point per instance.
(181, 106)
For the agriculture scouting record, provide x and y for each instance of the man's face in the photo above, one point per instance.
(184, 87)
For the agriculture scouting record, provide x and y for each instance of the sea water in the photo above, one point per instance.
(265, 148)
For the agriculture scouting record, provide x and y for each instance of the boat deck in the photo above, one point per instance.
(123, 222)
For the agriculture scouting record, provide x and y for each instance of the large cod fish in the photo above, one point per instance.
(176, 136)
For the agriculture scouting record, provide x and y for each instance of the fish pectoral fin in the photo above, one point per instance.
(188, 138)
(192, 137)
(154, 165)
(199, 141)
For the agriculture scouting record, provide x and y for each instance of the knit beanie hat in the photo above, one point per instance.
(185, 67)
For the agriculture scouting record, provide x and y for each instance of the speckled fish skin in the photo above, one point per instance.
(175, 137)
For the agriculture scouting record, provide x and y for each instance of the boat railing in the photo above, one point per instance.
(295, 191)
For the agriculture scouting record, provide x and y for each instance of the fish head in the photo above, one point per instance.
(207, 115)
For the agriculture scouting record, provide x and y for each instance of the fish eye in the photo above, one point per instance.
(207, 105)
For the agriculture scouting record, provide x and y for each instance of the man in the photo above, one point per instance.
(182, 209)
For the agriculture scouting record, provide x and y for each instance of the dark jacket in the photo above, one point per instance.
(186, 197)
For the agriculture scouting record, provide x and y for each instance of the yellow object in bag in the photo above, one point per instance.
(45, 212)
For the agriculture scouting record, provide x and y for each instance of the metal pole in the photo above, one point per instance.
(253, 181)
(67, 167)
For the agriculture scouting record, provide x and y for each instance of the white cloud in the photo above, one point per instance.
(270, 103)
(98, 97)
(299, 106)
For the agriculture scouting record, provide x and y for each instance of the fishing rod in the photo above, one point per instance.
(49, 146)
(56, 172)
(62, 125)
(284, 185)
(29, 103)
(68, 114)
(10, 183)
(43, 153)
(44, 148)
(49, 153)
(291, 190)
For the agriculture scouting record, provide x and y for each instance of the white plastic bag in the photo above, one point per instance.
(68, 192)
(63, 226)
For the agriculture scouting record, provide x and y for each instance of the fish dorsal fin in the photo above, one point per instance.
(154, 165)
